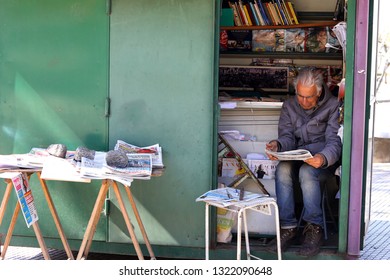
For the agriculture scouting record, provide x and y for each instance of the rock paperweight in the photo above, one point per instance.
(58, 150)
(116, 158)
(84, 152)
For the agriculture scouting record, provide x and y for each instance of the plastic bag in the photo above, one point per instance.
(225, 222)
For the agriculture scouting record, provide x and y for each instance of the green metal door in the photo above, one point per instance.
(161, 89)
(53, 88)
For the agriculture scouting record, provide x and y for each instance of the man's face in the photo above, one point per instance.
(307, 96)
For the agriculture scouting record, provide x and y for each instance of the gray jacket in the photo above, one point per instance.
(314, 130)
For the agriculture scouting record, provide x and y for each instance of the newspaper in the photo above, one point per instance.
(299, 154)
(228, 196)
(24, 194)
(140, 167)
(154, 150)
(21, 161)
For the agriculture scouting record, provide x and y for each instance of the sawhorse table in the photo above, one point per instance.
(94, 219)
(35, 225)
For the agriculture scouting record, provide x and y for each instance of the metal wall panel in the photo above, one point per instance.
(53, 86)
(161, 89)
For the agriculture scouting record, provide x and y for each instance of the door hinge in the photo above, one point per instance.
(107, 108)
(108, 7)
(106, 210)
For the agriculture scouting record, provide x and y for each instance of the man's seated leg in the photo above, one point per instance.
(286, 173)
(310, 182)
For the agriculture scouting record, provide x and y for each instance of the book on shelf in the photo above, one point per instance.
(292, 12)
(259, 14)
(253, 13)
(236, 16)
(288, 16)
(247, 15)
(339, 10)
(279, 13)
(263, 12)
(282, 13)
(242, 13)
(274, 14)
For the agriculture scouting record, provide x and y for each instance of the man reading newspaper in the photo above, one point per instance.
(307, 121)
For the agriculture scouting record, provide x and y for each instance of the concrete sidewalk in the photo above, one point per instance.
(377, 240)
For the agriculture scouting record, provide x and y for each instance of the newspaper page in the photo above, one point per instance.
(154, 150)
(299, 154)
(25, 197)
(21, 161)
(228, 196)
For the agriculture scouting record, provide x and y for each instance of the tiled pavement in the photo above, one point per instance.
(377, 240)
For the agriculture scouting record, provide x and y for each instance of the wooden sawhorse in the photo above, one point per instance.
(94, 219)
(35, 225)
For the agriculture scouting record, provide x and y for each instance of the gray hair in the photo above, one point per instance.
(308, 78)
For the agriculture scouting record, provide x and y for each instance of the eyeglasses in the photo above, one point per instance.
(310, 97)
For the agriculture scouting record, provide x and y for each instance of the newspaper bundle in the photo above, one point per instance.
(139, 167)
(154, 150)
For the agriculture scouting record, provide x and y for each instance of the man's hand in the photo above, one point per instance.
(272, 146)
(316, 161)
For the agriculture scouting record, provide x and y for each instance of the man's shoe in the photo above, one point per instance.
(312, 240)
(287, 236)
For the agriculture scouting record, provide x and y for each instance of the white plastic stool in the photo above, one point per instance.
(240, 208)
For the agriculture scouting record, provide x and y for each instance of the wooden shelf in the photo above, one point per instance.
(287, 55)
(301, 25)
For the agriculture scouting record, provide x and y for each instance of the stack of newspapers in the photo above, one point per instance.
(141, 161)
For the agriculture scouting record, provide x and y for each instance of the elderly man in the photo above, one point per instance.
(307, 121)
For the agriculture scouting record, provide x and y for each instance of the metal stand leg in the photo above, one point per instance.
(207, 230)
(239, 218)
(277, 227)
(248, 252)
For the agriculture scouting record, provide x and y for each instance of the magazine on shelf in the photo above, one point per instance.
(228, 196)
(300, 154)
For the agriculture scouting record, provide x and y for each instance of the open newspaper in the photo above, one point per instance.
(228, 196)
(299, 154)
(155, 151)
